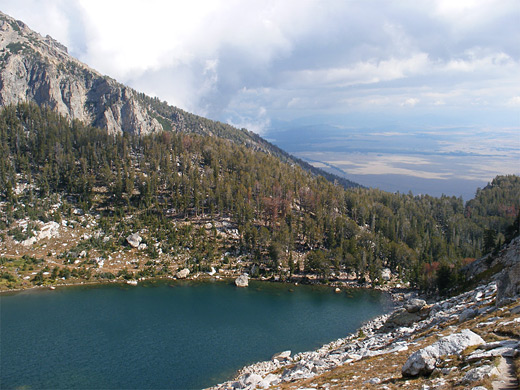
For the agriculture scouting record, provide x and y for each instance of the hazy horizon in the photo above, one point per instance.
(435, 161)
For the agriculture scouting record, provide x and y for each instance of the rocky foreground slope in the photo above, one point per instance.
(469, 341)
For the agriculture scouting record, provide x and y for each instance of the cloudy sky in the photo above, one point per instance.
(254, 63)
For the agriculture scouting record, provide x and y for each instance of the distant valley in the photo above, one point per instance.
(450, 161)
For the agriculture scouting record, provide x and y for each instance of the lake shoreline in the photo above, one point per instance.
(392, 290)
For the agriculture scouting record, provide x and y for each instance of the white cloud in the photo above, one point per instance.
(226, 58)
(258, 124)
(514, 101)
(362, 72)
(410, 102)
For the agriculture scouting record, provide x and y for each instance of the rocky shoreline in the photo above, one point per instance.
(469, 340)
(386, 335)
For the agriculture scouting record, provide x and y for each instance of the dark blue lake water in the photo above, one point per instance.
(166, 335)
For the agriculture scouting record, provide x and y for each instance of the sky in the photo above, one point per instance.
(260, 63)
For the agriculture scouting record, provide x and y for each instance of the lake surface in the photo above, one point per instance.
(166, 335)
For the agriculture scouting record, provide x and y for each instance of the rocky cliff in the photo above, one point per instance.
(39, 69)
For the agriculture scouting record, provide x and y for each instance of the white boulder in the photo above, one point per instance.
(285, 355)
(386, 274)
(242, 281)
(183, 273)
(424, 360)
(268, 381)
(134, 240)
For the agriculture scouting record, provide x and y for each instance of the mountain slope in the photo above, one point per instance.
(38, 69)
(173, 188)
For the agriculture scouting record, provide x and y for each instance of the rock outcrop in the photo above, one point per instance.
(38, 69)
(47, 231)
(424, 361)
(508, 279)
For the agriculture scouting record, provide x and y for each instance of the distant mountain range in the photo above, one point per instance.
(39, 69)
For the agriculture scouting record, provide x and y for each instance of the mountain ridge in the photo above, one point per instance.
(39, 69)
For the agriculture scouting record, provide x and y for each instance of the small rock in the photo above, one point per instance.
(467, 314)
(479, 373)
(268, 381)
(252, 379)
(503, 351)
(182, 274)
(515, 310)
(242, 281)
(414, 305)
(134, 240)
(285, 355)
(401, 317)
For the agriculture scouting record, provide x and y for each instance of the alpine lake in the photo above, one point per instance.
(166, 334)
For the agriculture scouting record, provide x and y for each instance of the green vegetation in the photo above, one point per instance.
(179, 120)
(15, 47)
(181, 188)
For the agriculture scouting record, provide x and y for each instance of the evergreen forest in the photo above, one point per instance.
(174, 187)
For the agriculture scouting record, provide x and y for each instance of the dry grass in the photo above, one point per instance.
(354, 376)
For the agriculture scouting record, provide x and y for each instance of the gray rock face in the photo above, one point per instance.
(242, 281)
(509, 279)
(424, 360)
(40, 70)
